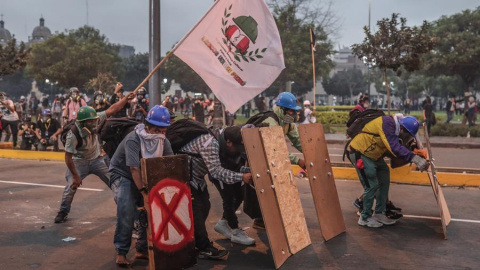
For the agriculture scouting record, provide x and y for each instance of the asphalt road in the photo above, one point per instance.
(30, 240)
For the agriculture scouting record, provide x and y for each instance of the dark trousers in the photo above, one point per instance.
(201, 208)
(14, 127)
(232, 197)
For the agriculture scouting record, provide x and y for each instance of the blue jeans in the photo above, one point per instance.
(84, 168)
(128, 199)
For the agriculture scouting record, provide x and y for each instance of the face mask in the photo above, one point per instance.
(288, 119)
(366, 105)
(44, 118)
(2, 98)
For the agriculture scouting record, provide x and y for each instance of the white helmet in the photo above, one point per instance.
(306, 103)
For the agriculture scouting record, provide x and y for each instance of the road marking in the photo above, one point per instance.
(438, 218)
(45, 185)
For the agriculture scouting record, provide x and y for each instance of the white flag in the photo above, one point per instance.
(236, 49)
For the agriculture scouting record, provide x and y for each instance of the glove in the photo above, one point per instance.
(420, 152)
(421, 163)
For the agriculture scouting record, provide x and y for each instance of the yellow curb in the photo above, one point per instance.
(406, 175)
(23, 154)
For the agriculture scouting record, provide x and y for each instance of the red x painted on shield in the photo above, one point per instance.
(169, 216)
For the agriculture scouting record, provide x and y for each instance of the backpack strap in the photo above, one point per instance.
(76, 132)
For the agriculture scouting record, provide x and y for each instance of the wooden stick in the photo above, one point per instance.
(153, 71)
(312, 46)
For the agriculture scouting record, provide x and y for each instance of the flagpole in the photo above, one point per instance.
(173, 50)
(312, 47)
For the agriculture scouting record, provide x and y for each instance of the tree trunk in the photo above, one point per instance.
(387, 88)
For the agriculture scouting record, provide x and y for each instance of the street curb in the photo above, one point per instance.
(433, 144)
(36, 155)
(404, 175)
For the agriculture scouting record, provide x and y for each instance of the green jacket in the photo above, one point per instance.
(288, 129)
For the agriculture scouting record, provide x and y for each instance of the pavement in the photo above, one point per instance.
(30, 193)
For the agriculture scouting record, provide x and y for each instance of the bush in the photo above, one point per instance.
(335, 118)
(335, 108)
(454, 130)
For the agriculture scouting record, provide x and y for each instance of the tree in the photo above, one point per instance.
(12, 58)
(73, 58)
(457, 52)
(104, 82)
(294, 33)
(188, 79)
(344, 83)
(394, 45)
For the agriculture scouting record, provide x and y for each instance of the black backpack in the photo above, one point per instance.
(258, 118)
(358, 120)
(184, 131)
(113, 131)
(66, 128)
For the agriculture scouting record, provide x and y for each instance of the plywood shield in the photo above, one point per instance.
(288, 200)
(266, 196)
(445, 216)
(171, 242)
(322, 182)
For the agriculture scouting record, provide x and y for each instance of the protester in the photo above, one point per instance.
(362, 105)
(168, 104)
(187, 103)
(19, 107)
(57, 108)
(28, 134)
(198, 111)
(146, 141)
(47, 131)
(83, 159)
(450, 108)
(428, 115)
(308, 114)
(231, 149)
(366, 151)
(407, 105)
(117, 97)
(9, 118)
(73, 105)
(99, 101)
(471, 105)
(140, 107)
(204, 152)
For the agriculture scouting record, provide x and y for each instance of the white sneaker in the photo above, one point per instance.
(369, 222)
(382, 218)
(223, 228)
(240, 237)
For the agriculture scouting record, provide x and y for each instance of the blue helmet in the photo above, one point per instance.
(158, 116)
(46, 112)
(410, 123)
(287, 100)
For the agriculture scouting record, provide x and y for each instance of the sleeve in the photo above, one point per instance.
(212, 161)
(391, 140)
(132, 153)
(167, 148)
(102, 116)
(295, 137)
(71, 143)
(244, 169)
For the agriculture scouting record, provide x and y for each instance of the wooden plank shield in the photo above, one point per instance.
(322, 182)
(285, 186)
(445, 216)
(266, 196)
(171, 243)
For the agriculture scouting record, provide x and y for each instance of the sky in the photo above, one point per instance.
(126, 21)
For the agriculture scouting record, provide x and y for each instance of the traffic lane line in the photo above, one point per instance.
(46, 185)
(438, 218)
